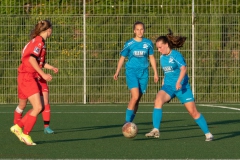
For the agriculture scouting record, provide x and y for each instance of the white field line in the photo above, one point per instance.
(206, 105)
(216, 106)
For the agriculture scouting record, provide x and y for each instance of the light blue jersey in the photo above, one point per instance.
(137, 64)
(137, 53)
(171, 65)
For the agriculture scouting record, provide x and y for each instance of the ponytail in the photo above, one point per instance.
(173, 41)
(39, 27)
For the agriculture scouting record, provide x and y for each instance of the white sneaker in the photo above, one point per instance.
(154, 133)
(209, 137)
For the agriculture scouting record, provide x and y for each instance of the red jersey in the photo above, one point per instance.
(36, 48)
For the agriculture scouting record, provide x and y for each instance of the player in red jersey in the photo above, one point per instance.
(29, 70)
(44, 93)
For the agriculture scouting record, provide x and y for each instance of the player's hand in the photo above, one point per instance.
(47, 77)
(178, 86)
(55, 70)
(115, 77)
(156, 78)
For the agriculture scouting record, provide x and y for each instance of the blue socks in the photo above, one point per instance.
(202, 124)
(129, 115)
(132, 117)
(157, 117)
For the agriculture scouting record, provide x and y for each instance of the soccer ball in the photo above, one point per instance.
(129, 130)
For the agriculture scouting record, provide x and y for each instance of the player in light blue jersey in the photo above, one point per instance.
(138, 50)
(175, 84)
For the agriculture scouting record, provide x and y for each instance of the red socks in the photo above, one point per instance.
(46, 115)
(24, 119)
(27, 122)
(17, 117)
(28, 126)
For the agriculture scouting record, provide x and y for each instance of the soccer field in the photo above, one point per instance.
(94, 132)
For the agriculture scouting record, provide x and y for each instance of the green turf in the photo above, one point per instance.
(94, 132)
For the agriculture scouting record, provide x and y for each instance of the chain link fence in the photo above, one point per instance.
(86, 68)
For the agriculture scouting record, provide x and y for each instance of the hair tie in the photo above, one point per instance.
(42, 22)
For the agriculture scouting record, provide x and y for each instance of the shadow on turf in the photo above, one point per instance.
(145, 130)
(140, 134)
(88, 128)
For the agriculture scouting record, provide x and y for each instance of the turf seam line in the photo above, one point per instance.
(232, 108)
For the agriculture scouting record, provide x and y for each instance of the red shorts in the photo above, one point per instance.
(42, 85)
(27, 85)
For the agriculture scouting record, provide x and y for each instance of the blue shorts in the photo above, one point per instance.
(184, 94)
(137, 78)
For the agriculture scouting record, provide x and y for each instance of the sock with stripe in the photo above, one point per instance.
(17, 115)
(46, 114)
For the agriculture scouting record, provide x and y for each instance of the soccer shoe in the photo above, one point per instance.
(17, 131)
(209, 137)
(27, 140)
(48, 130)
(154, 133)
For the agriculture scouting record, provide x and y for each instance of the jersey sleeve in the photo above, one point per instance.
(36, 48)
(151, 50)
(180, 60)
(125, 50)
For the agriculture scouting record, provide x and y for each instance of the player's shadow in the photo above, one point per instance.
(211, 125)
(81, 139)
(227, 134)
(89, 128)
(224, 122)
(62, 140)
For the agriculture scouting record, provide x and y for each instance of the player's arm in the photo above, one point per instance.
(154, 66)
(183, 71)
(50, 67)
(119, 66)
(35, 65)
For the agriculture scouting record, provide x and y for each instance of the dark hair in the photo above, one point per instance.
(39, 27)
(173, 41)
(138, 22)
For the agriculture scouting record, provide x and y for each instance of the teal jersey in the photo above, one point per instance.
(171, 65)
(137, 53)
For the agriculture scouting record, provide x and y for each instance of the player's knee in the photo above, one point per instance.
(195, 114)
(135, 97)
(158, 102)
(38, 109)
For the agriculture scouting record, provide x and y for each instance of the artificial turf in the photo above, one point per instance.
(94, 132)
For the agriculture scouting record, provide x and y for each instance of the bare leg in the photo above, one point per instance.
(133, 104)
